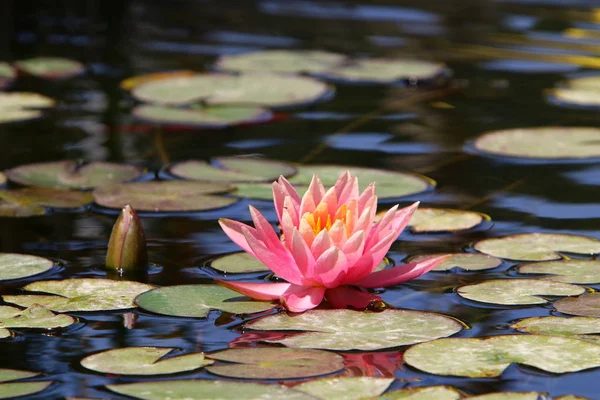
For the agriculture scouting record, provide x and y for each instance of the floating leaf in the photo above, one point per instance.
(15, 389)
(2, 179)
(130, 83)
(165, 196)
(510, 396)
(69, 174)
(442, 220)
(489, 357)
(15, 374)
(21, 106)
(5, 333)
(233, 169)
(345, 387)
(261, 191)
(50, 67)
(203, 389)
(517, 291)
(286, 61)
(552, 142)
(466, 261)
(143, 361)
(204, 117)
(47, 197)
(264, 89)
(81, 294)
(17, 266)
(12, 205)
(7, 75)
(357, 330)
(275, 363)
(423, 393)
(578, 327)
(537, 246)
(586, 305)
(579, 92)
(35, 317)
(197, 301)
(570, 271)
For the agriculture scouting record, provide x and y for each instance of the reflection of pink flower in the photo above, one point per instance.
(380, 364)
(330, 246)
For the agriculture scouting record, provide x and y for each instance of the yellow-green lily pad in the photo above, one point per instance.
(48, 197)
(34, 317)
(233, 169)
(345, 387)
(11, 390)
(22, 106)
(582, 92)
(586, 305)
(133, 81)
(283, 61)
(423, 393)
(18, 266)
(517, 291)
(7, 75)
(466, 261)
(5, 333)
(51, 67)
(584, 328)
(12, 205)
(509, 396)
(570, 271)
(202, 117)
(444, 220)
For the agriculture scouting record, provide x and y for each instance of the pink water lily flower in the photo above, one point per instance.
(329, 246)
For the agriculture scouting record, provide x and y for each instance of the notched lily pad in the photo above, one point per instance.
(283, 61)
(202, 117)
(35, 317)
(11, 390)
(233, 169)
(165, 196)
(238, 263)
(275, 363)
(466, 261)
(489, 357)
(444, 220)
(51, 67)
(22, 106)
(357, 330)
(586, 305)
(70, 174)
(570, 271)
(81, 294)
(18, 266)
(537, 246)
(346, 387)
(197, 301)
(517, 291)
(423, 393)
(143, 361)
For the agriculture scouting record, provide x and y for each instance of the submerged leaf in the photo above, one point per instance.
(517, 291)
(17, 266)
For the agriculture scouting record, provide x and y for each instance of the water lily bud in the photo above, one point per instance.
(127, 244)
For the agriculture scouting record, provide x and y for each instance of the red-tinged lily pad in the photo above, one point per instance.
(70, 174)
(50, 67)
(22, 106)
(442, 220)
(34, 317)
(570, 271)
(11, 390)
(283, 61)
(7, 75)
(466, 261)
(233, 169)
(423, 393)
(18, 266)
(586, 305)
(345, 387)
(275, 363)
(165, 196)
(130, 83)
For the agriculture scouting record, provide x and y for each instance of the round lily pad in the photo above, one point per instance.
(202, 117)
(165, 196)
(558, 326)
(517, 291)
(578, 92)
(7, 75)
(386, 71)
(570, 271)
(357, 330)
(510, 396)
(275, 363)
(131, 82)
(443, 220)
(204, 389)
(16, 389)
(489, 357)
(69, 174)
(261, 190)
(233, 169)
(47, 197)
(50, 67)
(35, 317)
(537, 246)
(423, 393)
(5, 333)
(284, 61)
(554, 142)
(143, 361)
(18, 266)
(269, 90)
(346, 387)
(21, 106)
(12, 205)
(586, 305)
(197, 301)
(466, 261)
(81, 294)
(15, 374)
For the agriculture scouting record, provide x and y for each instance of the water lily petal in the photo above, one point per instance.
(264, 230)
(307, 232)
(233, 229)
(302, 255)
(401, 273)
(257, 291)
(341, 183)
(353, 248)
(282, 189)
(331, 200)
(350, 191)
(330, 267)
(347, 296)
(302, 298)
(365, 196)
(338, 234)
(321, 243)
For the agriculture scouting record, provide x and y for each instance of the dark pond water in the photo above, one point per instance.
(92, 122)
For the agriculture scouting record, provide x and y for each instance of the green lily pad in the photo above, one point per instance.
(577, 327)
(517, 291)
(264, 89)
(35, 317)
(15, 389)
(283, 61)
(81, 294)
(553, 142)
(260, 190)
(205, 117)
(160, 196)
(69, 174)
(51, 67)
(345, 387)
(12, 205)
(385, 71)
(489, 357)
(131, 82)
(423, 393)
(197, 301)
(5, 333)
(537, 246)
(15, 374)
(47, 197)
(509, 396)
(444, 220)
(18, 266)
(7, 75)
(569, 271)
(586, 305)
(466, 261)
(204, 389)
(22, 106)
(275, 363)
(233, 169)
(357, 330)
(143, 361)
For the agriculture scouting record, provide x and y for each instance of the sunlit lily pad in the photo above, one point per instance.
(261, 190)
(578, 92)
(517, 291)
(554, 142)
(511, 396)
(443, 220)
(69, 174)
(7, 75)
(285, 61)
(357, 330)
(203, 117)
(585, 328)
(537, 246)
(165, 196)
(275, 363)
(81, 294)
(345, 387)
(17, 266)
(586, 305)
(204, 389)
(130, 83)
(489, 357)
(5, 333)
(570, 271)
(233, 169)
(21, 106)
(197, 301)
(16, 389)
(270, 90)
(34, 317)
(51, 67)
(143, 361)
(423, 393)
(466, 261)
